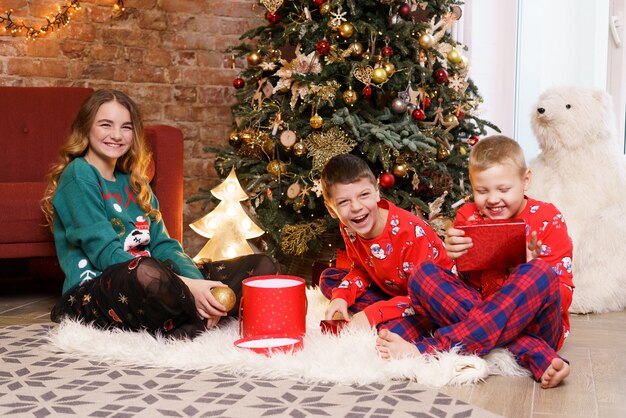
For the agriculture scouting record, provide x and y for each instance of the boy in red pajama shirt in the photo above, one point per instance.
(384, 244)
(529, 314)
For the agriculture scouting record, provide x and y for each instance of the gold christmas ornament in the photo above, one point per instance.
(276, 168)
(246, 136)
(254, 58)
(389, 68)
(225, 296)
(454, 56)
(442, 153)
(267, 143)
(322, 146)
(234, 139)
(356, 49)
(346, 30)
(299, 149)
(426, 40)
(316, 121)
(379, 75)
(325, 8)
(349, 96)
(400, 170)
(450, 119)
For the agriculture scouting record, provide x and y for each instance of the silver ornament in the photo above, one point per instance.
(398, 105)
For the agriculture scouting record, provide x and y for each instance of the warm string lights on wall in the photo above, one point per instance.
(55, 21)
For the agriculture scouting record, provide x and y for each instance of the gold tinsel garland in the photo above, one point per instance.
(295, 238)
(323, 146)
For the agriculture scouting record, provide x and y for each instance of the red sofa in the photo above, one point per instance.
(35, 121)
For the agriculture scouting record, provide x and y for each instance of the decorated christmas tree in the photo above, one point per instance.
(382, 79)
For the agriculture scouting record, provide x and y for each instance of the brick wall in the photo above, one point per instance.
(167, 54)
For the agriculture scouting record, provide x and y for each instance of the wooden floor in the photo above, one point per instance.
(596, 350)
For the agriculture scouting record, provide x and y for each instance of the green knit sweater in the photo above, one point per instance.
(98, 223)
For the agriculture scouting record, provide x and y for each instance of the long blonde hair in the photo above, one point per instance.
(134, 162)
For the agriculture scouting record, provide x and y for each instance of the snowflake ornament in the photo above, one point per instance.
(339, 17)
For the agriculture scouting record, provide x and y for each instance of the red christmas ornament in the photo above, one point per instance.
(386, 180)
(441, 75)
(367, 92)
(387, 51)
(418, 114)
(404, 11)
(473, 140)
(426, 102)
(239, 83)
(460, 114)
(318, 3)
(322, 47)
(273, 18)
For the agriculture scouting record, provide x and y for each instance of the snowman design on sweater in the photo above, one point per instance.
(138, 239)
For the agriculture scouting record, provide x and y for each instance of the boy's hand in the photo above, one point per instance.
(337, 305)
(456, 243)
(534, 247)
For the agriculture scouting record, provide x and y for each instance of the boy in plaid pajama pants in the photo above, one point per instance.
(528, 315)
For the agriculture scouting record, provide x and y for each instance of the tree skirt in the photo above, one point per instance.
(349, 358)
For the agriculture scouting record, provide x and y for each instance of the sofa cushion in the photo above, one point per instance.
(21, 219)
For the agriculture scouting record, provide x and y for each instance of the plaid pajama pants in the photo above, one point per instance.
(523, 317)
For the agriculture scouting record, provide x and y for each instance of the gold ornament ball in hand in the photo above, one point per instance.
(346, 30)
(316, 121)
(426, 41)
(225, 296)
(379, 75)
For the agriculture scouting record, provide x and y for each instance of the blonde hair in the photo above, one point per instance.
(134, 162)
(496, 150)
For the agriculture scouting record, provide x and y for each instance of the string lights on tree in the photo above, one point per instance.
(55, 21)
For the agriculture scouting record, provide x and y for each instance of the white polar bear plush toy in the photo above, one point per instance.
(582, 170)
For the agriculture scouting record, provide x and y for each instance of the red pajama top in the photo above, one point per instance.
(388, 260)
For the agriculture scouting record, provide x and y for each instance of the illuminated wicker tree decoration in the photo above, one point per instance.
(228, 226)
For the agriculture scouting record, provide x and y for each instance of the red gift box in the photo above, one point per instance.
(498, 244)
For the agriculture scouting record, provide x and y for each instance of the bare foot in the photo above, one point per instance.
(390, 345)
(555, 373)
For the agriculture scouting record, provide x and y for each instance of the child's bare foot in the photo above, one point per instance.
(390, 345)
(555, 373)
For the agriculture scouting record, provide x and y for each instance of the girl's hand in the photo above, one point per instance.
(337, 305)
(456, 243)
(208, 307)
(534, 247)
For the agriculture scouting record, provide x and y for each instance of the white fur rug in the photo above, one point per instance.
(349, 358)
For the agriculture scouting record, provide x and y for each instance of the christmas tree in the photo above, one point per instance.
(227, 226)
(382, 79)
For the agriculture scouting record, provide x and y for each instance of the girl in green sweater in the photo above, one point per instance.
(121, 267)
